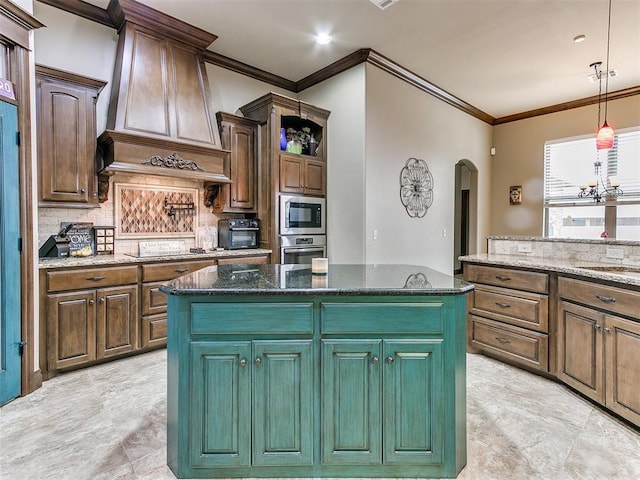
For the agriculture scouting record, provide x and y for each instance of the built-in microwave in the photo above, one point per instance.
(302, 215)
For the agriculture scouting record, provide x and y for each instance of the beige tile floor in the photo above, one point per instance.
(108, 422)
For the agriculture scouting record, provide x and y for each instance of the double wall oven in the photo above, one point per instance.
(302, 228)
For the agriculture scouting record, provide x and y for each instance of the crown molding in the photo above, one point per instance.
(99, 15)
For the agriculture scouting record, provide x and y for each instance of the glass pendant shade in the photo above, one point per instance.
(604, 138)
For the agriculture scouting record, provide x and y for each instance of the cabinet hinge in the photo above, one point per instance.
(21, 346)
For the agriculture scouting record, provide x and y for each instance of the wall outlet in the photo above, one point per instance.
(524, 248)
(615, 253)
(375, 234)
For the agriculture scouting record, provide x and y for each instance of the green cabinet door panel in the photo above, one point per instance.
(283, 402)
(413, 402)
(351, 399)
(220, 405)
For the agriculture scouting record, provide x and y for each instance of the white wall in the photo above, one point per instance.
(76, 45)
(344, 96)
(403, 122)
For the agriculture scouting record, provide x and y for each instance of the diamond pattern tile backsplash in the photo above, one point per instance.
(141, 211)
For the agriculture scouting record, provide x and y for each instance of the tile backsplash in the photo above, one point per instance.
(615, 252)
(49, 219)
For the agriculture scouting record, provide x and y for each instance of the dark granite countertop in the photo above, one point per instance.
(298, 279)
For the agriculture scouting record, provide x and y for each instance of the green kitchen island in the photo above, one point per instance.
(277, 372)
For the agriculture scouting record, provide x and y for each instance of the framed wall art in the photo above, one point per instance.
(515, 194)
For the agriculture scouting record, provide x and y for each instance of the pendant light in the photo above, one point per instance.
(605, 135)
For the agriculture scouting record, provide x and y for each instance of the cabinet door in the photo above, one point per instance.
(71, 328)
(66, 164)
(351, 399)
(243, 158)
(622, 346)
(117, 320)
(283, 388)
(220, 407)
(580, 352)
(315, 178)
(291, 174)
(414, 402)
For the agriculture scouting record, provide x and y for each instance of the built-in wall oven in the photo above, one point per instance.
(302, 248)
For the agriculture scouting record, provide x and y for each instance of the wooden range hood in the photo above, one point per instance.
(161, 118)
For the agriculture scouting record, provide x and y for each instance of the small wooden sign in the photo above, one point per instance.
(6, 89)
(82, 242)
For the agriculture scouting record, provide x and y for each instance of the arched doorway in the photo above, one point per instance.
(465, 211)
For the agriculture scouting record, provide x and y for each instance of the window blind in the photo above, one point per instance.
(569, 164)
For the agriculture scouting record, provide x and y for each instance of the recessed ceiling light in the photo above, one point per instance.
(579, 38)
(323, 38)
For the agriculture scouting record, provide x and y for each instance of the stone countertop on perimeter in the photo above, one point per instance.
(298, 279)
(626, 275)
(106, 260)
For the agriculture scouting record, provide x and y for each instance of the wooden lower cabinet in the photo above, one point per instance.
(598, 356)
(265, 409)
(84, 324)
(92, 324)
(356, 410)
(509, 323)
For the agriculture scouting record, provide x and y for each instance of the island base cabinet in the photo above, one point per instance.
(356, 409)
(261, 393)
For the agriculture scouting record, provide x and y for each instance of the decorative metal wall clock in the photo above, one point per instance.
(416, 187)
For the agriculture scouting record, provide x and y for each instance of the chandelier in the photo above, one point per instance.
(598, 189)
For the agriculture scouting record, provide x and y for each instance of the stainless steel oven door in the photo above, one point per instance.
(301, 255)
(302, 248)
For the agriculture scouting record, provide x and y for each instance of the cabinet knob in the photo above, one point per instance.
(258, 361)
(101, 300)
(82, 190)
(607, 330)
(597, 326)
(375, 360)
(389, 360)
(243, 362)
(91, 302)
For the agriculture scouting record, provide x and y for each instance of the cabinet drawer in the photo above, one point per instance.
(381, 318)
(166, 271)
(255, 260)
(91, 278)
(241, 318)
(507, 277)
(154, 330)
(513, 343)
(153, 300)
(523, 309)
(612, 299)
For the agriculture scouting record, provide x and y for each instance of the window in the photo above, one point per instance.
(570, 164)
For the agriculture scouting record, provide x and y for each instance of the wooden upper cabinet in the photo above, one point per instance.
(240, 136)
(66, 113)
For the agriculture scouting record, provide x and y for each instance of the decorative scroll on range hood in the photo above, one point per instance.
(161, 119)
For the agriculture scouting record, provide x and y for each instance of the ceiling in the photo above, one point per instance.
(504, 57)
